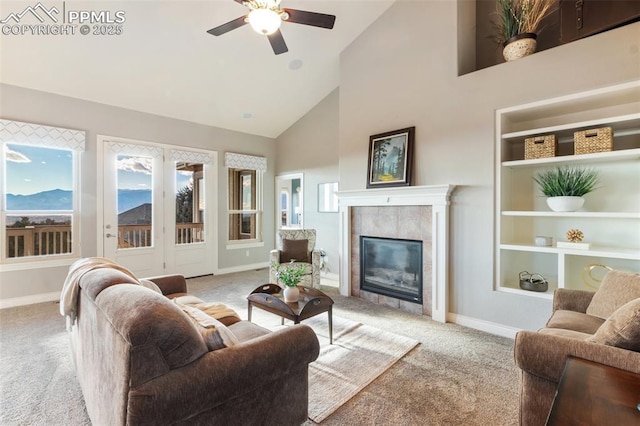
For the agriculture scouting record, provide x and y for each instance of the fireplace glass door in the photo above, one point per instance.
(391, 267)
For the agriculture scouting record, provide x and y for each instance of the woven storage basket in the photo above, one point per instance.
(540, 147)
(593, 140)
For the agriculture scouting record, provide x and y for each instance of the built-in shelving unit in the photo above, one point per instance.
(610, 218)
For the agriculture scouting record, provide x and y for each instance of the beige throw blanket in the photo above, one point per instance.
(70, 289)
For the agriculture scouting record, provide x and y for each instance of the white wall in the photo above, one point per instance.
(403, 72)
(32, 106)
(310, 146)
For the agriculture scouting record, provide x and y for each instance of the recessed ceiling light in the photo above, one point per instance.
(295, 65)
(247, 115)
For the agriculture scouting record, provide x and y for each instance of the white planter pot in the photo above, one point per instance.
(565, 204)
(291, 294)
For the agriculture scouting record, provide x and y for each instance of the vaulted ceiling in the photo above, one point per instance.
(165, 63)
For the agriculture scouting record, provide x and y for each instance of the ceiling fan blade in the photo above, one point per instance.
(277, 43)
(231, 25)
(311, 18)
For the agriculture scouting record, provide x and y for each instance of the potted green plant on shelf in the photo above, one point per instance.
(518, 25)
(566, 186)
(290, 276)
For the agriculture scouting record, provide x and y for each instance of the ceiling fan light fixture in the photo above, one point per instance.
(264, 21)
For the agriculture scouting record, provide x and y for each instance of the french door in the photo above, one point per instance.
(158, 208)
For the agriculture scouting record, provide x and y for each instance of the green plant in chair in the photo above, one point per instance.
(290, 275)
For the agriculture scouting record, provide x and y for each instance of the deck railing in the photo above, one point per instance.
(189, 233)
(41, 240)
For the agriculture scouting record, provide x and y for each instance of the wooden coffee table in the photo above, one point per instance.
(312, 302)
(595, 394)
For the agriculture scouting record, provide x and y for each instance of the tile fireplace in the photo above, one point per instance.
(419, 214)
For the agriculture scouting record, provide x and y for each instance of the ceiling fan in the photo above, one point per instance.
(266, 16)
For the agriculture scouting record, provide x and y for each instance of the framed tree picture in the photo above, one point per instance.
(390, 158)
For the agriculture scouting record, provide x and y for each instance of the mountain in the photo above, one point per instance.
(56, 199)
(59, 199)
(140, 215)
(130, 198)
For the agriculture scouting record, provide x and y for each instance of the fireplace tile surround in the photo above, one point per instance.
(416, 213)
(404, 222)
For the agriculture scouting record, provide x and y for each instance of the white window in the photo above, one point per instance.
(40, 196)
(245, 196)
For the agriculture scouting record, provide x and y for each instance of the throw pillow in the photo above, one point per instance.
(215, 334)
(294, 250)
(616, 289)
(622, 329)
(216, 311)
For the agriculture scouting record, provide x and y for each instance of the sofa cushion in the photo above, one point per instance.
(565, 333)
(215, 334)
(294, 250)
(622, 328)
(616, 289)
(575, 321)
(245, 330)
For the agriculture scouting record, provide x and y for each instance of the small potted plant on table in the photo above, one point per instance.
(290, 275)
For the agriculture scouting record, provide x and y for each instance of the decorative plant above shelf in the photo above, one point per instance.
(518, 25)
(520, 16)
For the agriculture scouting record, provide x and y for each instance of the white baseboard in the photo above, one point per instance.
(330, 276)
(482, 325)
(243, 268)
(29, 300)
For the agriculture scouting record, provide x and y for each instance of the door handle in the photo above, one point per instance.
(110, 236)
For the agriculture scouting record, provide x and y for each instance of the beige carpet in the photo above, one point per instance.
(455, 376)
(359, 355)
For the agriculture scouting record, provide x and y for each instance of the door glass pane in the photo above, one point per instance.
(190, 203)
(135, 212)
(284, 207)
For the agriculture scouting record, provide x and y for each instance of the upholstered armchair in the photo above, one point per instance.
(602, 327)
(298, 245)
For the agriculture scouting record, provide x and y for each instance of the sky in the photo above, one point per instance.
(33, 169)
(36, 169)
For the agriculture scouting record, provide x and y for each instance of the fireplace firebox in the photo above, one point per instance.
(391, 267)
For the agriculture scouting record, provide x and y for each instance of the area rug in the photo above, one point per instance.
(359, 355)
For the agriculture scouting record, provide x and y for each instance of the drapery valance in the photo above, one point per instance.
(190, 156)
(38, 135)
(243, 161)
(138, 150)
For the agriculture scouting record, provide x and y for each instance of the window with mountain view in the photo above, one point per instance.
(39, 201)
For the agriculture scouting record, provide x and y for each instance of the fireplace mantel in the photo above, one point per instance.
(436, 196)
